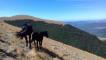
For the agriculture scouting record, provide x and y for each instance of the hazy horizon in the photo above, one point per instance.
(60, 10)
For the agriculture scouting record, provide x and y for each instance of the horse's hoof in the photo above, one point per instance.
(26, 45)
(37, 49)
(30, 47)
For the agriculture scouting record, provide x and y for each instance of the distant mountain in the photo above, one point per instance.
(97, 28)
(65, 33)
(22, 17)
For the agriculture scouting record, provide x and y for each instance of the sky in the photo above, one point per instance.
(61, 10)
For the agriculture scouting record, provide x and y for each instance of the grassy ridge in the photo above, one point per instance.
(67, 34)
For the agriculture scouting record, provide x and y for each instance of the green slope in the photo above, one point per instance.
(67, 34)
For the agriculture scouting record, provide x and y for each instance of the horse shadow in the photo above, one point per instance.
(52, 54)
(8, 54)
(4, 42)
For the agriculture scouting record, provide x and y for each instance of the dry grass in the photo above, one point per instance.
(13, 48)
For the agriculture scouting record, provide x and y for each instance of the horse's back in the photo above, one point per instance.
(44, 33)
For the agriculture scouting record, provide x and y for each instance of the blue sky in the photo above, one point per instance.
(62, 10)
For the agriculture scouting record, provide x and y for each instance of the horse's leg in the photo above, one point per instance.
(37, 45)
(26, 40)
(40, 43)
(30, 41)
(34, 43)
(29, 37)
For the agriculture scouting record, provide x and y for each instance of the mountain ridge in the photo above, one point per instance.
(94, 27)
(19, 17)
(67, 34)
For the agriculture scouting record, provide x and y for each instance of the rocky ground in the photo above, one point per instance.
(13, 48)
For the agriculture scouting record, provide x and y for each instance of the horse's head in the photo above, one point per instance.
(19, 35)
(45, 33)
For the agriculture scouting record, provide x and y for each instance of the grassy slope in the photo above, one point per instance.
(68, 35)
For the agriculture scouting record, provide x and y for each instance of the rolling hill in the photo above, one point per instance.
(97, 28)
(66, 34)
(13, 48)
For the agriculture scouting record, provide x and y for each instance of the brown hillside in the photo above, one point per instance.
(12, 48)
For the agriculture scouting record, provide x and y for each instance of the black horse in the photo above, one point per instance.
(25, 35)
(38, 38)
